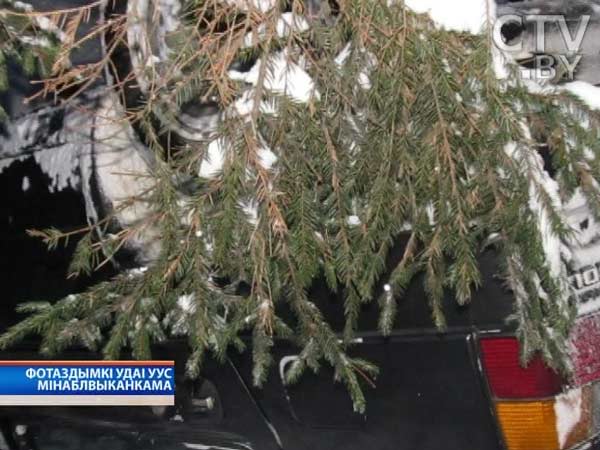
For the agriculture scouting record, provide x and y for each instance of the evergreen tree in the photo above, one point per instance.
(28, 40)
(405, 129)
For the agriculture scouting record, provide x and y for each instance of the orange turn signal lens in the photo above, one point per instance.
(558, 423)
(528, 425)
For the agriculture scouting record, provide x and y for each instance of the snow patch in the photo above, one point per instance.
(469, 15)
(260, 5)
(244, 105)
(137, 272)
(186, 303)
(568, 414)
(212, 164)
(59, 154)
(364, 77)
(283, 77)
(251, 210)
(267, 157)
(342, 56)
(24, 6)
(287, 25)
(590, 94)
(353, 221)
(60, 164)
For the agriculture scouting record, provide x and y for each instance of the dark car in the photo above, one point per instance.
(463, 388)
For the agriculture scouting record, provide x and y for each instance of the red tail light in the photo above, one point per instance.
(585, 344)
(532, 410)
(508, 379)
